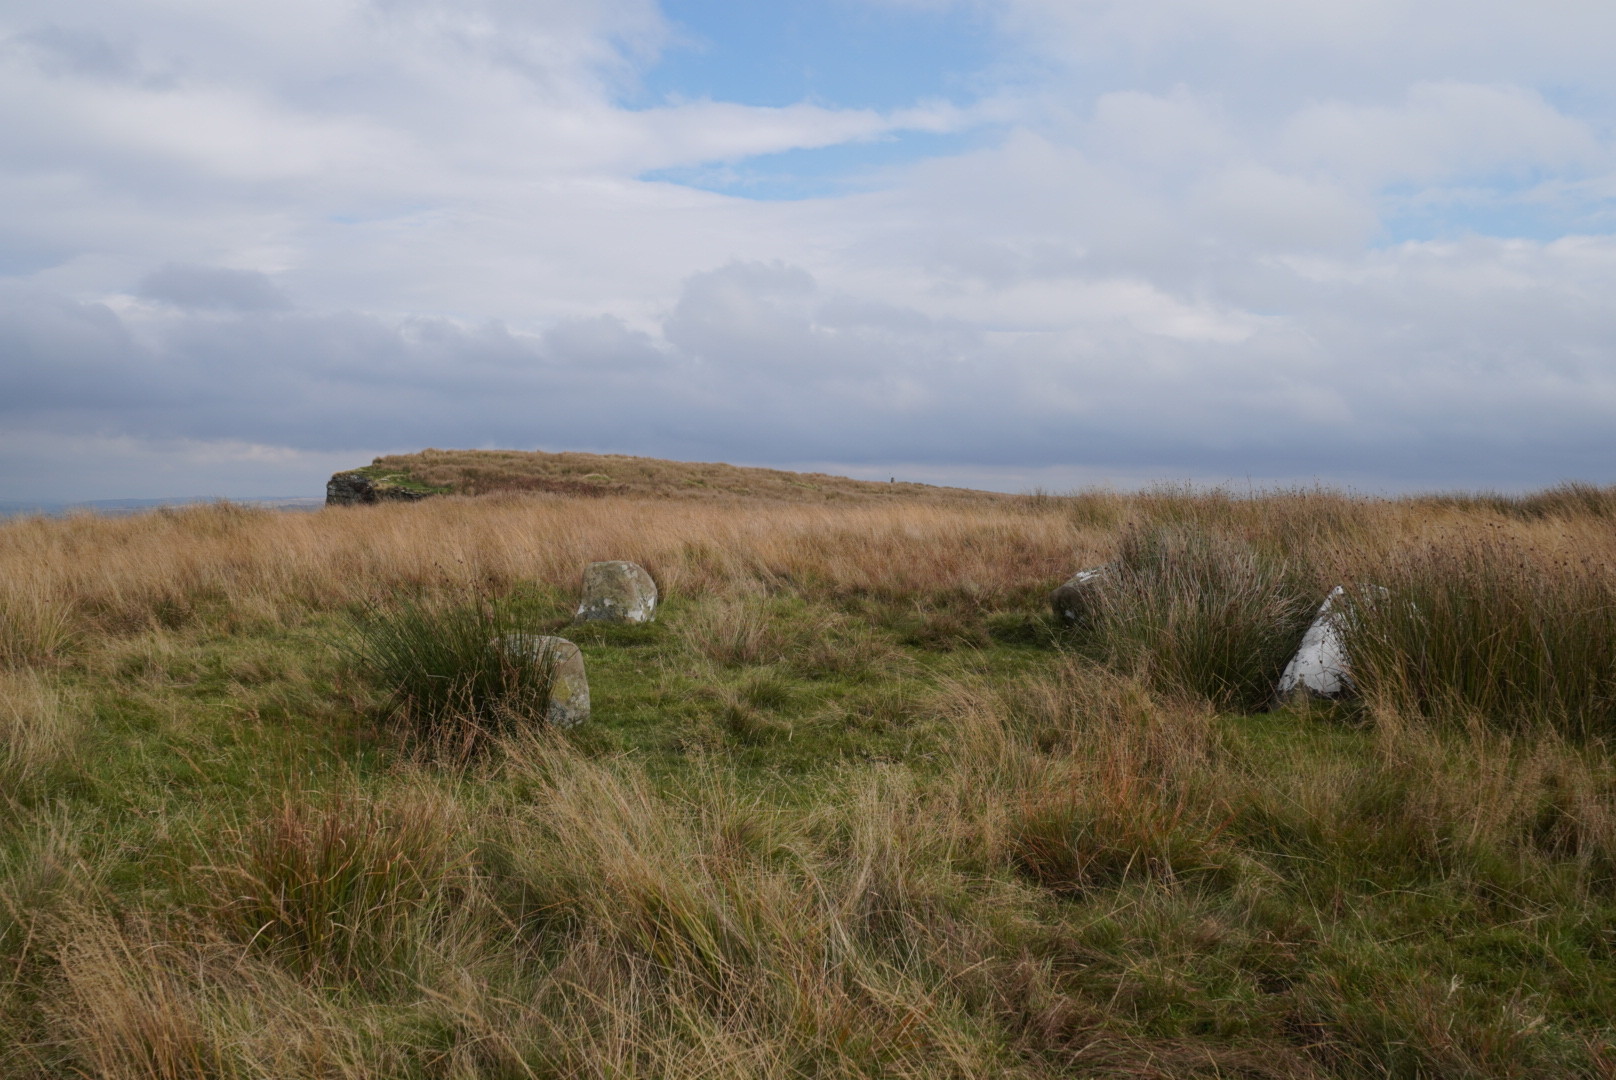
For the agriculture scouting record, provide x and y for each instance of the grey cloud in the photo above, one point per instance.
(61, 50)
(1179, 276)
(213, 288)
(604, 342)
(57, 354)
(757, 363)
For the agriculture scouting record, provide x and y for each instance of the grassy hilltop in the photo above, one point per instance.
(853, 806)
(489, 472)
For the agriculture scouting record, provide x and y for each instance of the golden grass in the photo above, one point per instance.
(39, 726)
(1082, 856)
(62, 577)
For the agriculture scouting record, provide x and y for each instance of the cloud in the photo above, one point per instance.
(761, 362)
(212, 287)
(1439, 131)
(1172, 237)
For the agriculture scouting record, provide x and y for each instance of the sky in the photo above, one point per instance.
(1015, 244)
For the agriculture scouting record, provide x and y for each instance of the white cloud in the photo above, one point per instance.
(1439, 131)
(346, 227)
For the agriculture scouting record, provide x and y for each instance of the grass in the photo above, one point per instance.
(336, 889)
(1509, 630)
(853, 806)
(1201, 611)
(450, 677)
(487, 472)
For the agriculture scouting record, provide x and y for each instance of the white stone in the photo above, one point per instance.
(1321, 664)
(569, 685)
(617, 592)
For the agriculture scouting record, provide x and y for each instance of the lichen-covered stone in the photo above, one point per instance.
(1073, 601)
(359, 488)
(1322, 666)
(617, 592)
(569, 684)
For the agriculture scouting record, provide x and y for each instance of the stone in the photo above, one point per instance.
(1321, 665)
(358, 488)
(617, 592)
(1073, 602)
(569, 684)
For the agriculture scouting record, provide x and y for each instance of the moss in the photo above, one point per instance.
(384, 477)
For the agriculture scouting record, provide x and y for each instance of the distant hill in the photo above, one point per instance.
(486, 472)
(119, 507)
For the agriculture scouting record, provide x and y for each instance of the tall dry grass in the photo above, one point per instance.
(167, 566)
(1213, 587)
(1516, 630)
(39, 727)
(1086, 870)
(118, 575)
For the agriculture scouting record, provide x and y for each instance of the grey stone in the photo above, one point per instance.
(1073, 601)
(617, 592)
(357, 488)
(569, 685)
(1322, 666)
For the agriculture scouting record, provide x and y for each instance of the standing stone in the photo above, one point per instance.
(1321, 665)
(617, 592)
(569, 686)
(1074, 601)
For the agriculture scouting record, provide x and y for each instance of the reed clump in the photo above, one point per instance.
(1494, 627)
(1201, 612)
(453, 673)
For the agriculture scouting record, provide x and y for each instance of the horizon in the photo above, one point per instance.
(1235, 488)
(1002, 244)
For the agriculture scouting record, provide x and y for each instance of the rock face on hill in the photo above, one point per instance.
(359, 488)
(617, 592)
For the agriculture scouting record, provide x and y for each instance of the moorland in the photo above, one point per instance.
(855, 805)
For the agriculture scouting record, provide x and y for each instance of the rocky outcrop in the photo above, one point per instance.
(617, 592)
(1074, 601)
(569, 684)
(359, 488)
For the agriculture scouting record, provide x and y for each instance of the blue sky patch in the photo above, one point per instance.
(1510, 206)
(820, 172)
(840, 53)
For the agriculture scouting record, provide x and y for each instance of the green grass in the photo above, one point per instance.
(812, 835)
(1200, 610)
(384, 476)
(450, 677)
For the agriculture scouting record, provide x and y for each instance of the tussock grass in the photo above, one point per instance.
(339, 889)
(852, 807)
(449, 681)
(1498, 628)
(34, 627)
(1202, 612)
